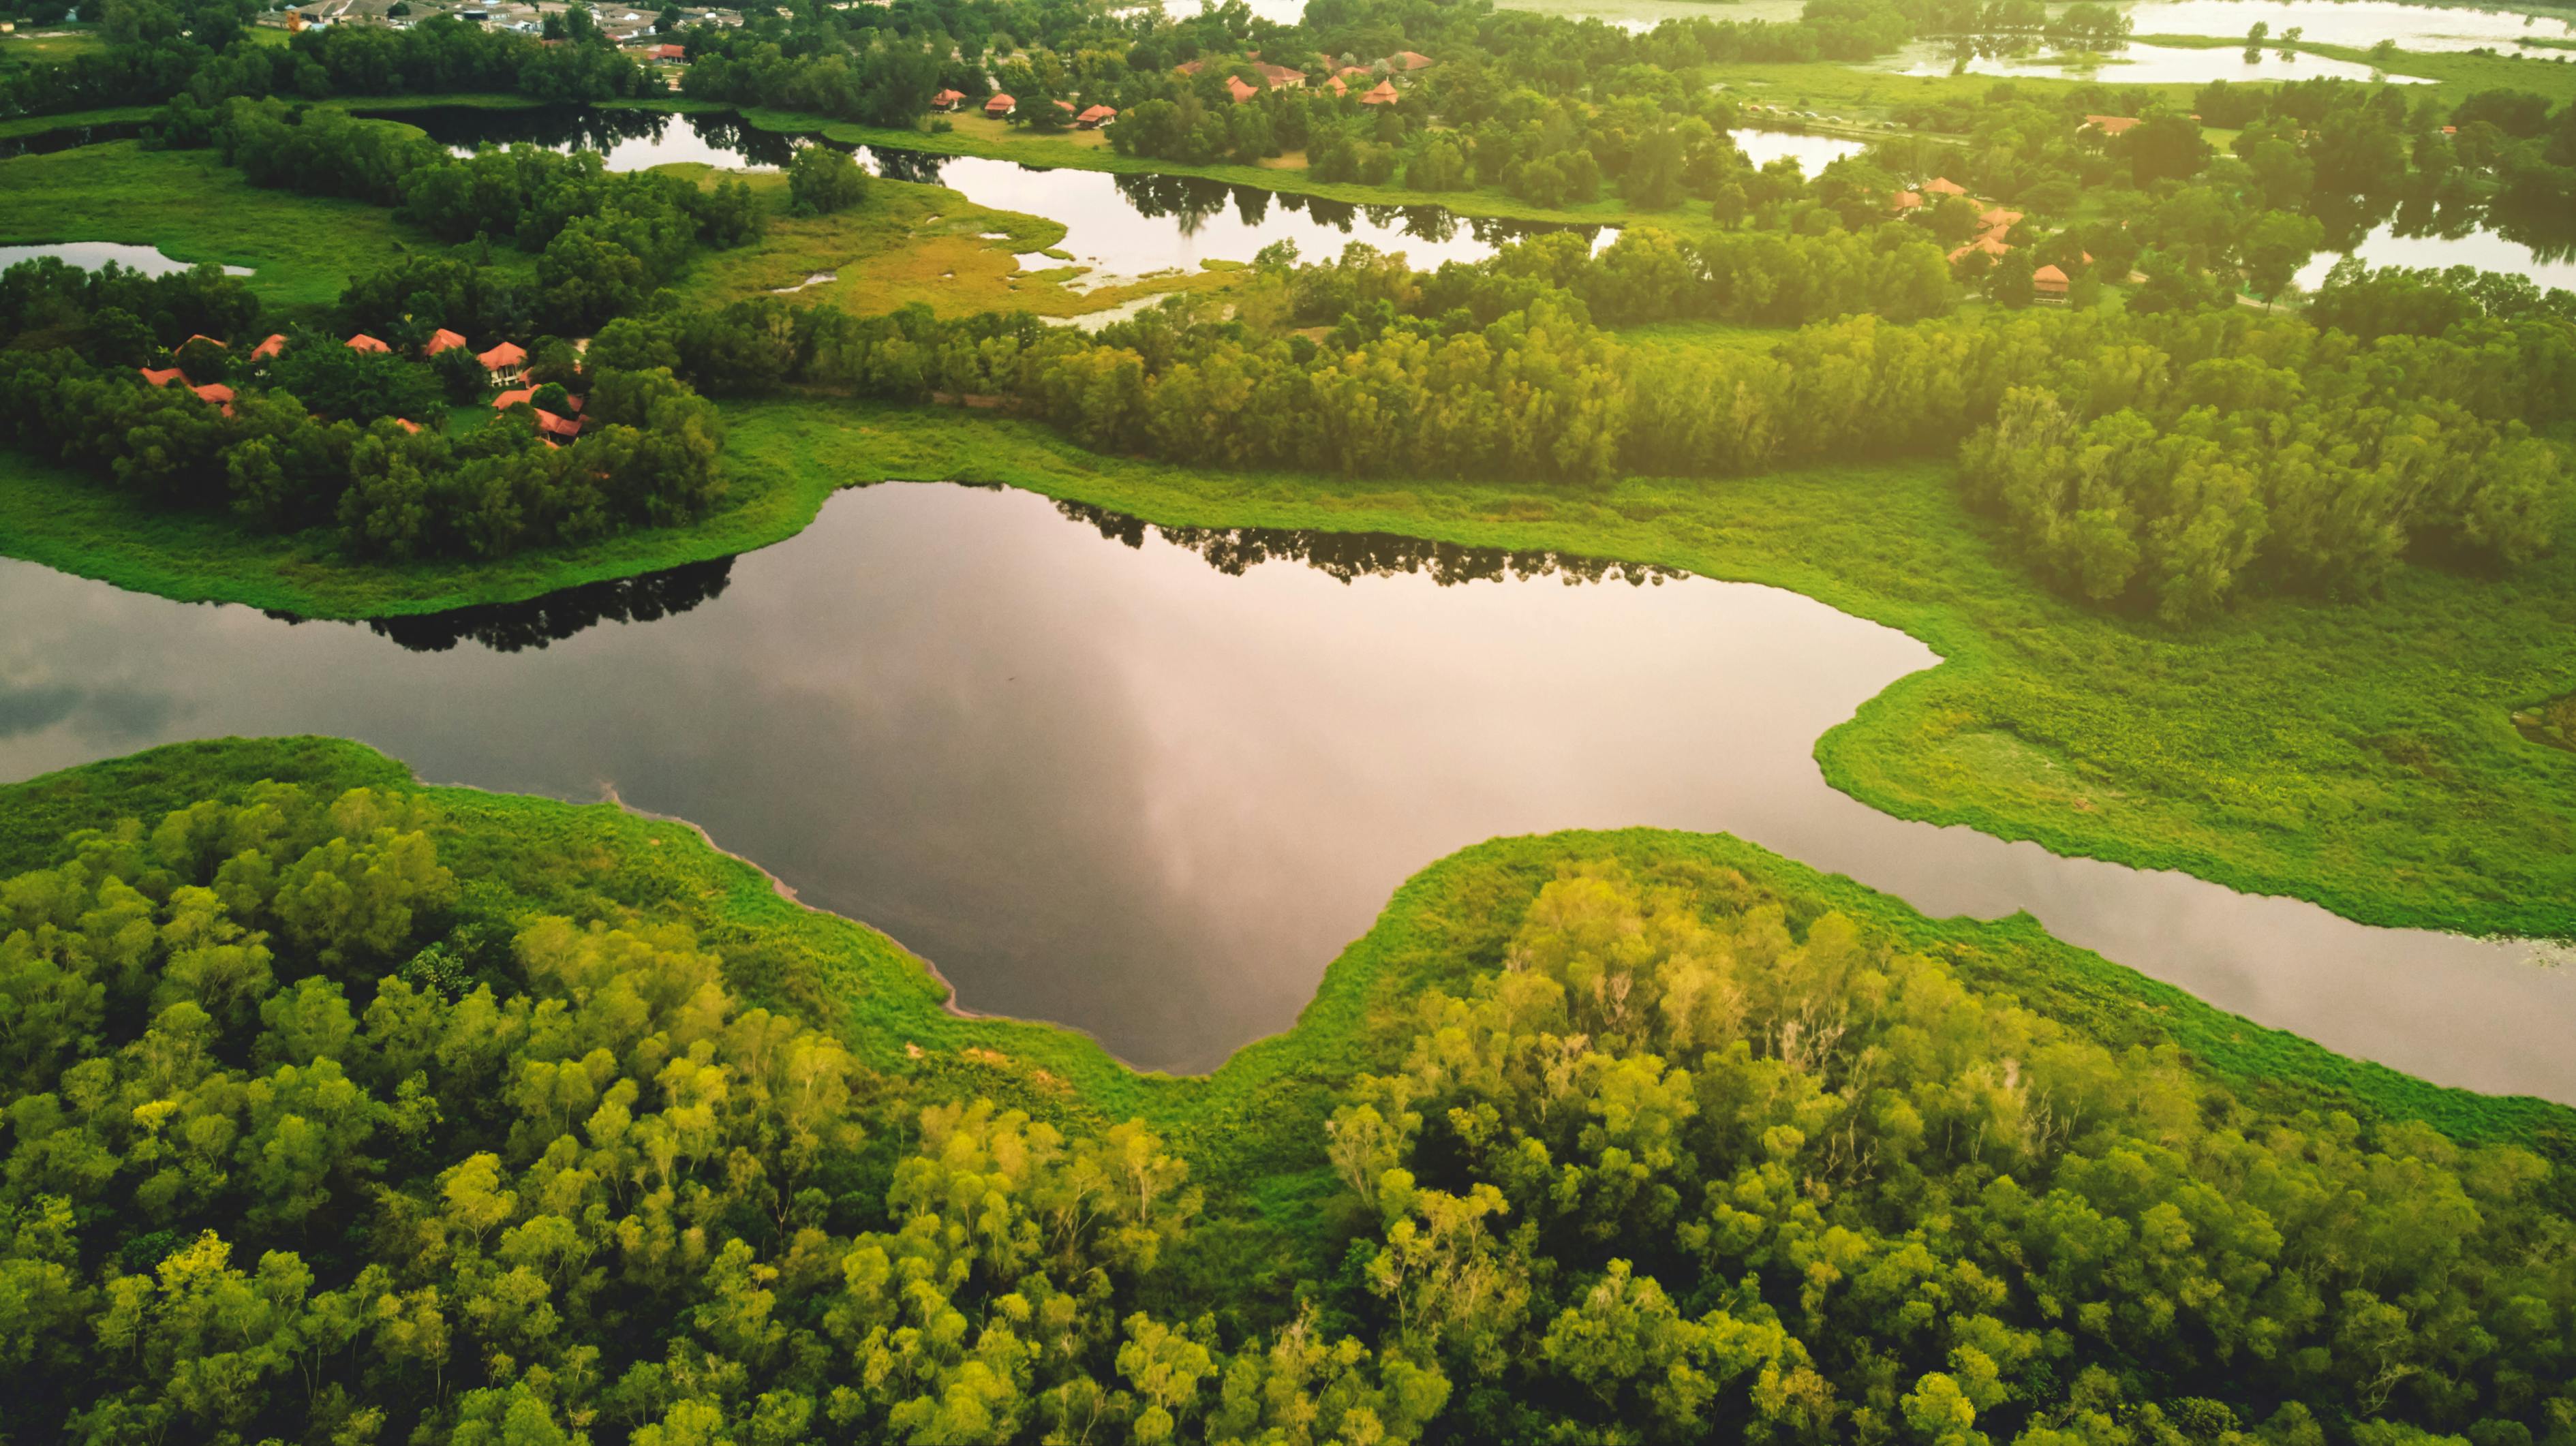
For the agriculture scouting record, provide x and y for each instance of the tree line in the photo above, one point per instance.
(2163, 461)
(195, 54)
(311, 1135)
(604, 240)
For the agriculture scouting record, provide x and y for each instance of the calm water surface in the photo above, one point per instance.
(2548, 267)
(1101, 781)
(2135, 64)
(92, 255)
(2356, 23)
(1121, 226)
(1812, 152)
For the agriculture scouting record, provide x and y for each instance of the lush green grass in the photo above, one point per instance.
(303, 249)
(1262, 1109)
(49, 44)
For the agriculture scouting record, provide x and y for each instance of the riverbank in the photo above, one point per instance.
(2361, 756)
(516, 856)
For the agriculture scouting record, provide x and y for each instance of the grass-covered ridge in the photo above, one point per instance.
(533, 1104)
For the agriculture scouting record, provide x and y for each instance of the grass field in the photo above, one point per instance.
(1254, 1125)
(49, 44)
(303, 250)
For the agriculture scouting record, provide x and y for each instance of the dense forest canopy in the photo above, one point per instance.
(312, 1137)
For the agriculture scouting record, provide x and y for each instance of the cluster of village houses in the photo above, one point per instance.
(1347, 75)
(1995, 223)
(505, 364)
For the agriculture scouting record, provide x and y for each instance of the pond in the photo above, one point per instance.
(1120, 226)
(91, 255)
(1812, 152)
(2135, 64)
(2359, 24)
(2548, 267)
(1150, 783)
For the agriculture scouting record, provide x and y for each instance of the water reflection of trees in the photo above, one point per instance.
(514, 627)
(70, 137)
(918, 167)
(1347, 555)
(560, 128)
(1191, 200)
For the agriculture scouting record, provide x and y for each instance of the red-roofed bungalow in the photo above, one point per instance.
(504, 362)
(1241, 92)
(1384, 94)
(364, 342)
(999, 106)
(947, 100)
(442, 340)
(1094, 117)
(2050, 283)
(275, 345)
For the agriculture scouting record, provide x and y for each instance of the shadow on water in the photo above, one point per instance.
(1102, 208)
(516, 627)
(1346, 556)
(68, 138)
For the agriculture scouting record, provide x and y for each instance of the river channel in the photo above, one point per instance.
(1099, 780)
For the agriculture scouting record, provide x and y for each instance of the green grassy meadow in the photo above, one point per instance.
(303, 250)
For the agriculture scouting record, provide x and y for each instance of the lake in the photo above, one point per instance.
(1149, 784)
(1121, 226)
(1812, 152)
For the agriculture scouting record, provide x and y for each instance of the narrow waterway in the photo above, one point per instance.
(1121, 226)
(1149, 785)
